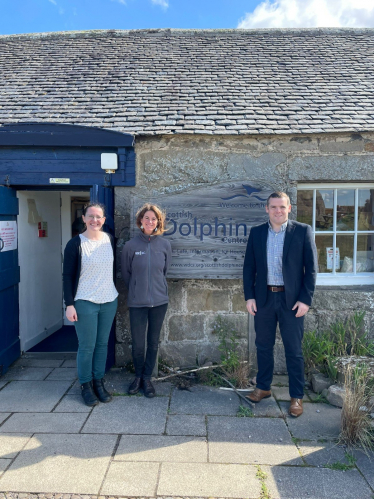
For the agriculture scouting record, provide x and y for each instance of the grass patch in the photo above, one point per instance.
(244, 412)
(343, 466)
(320, 399)
(261, 475)
(357, 430)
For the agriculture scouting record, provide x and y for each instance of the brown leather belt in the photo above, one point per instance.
(275, 289)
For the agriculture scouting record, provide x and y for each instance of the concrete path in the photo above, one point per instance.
(200, 443)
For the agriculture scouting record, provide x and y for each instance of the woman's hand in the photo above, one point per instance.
(71, 313)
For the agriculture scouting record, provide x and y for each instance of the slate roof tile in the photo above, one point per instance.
(192, 81)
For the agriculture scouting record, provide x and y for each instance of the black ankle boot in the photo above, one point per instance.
(135, 386)
(100, 391)
(148, 388)
(88, 394)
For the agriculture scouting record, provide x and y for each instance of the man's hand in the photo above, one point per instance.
(302, 309)
(251, 306)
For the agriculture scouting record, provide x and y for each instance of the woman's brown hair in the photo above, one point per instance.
(160, 215)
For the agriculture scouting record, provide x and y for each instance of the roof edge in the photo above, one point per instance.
(186, 32)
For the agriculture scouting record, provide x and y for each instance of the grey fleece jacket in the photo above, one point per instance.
(145, 261)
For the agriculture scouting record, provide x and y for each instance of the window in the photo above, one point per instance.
(342, 219)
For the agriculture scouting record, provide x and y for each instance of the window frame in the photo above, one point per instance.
(337, 278)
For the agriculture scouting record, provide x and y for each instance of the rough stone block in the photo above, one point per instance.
(175, 288)
(354, 143)
(186, 327)
(280, 366)
(238, 322)
(179, 354)
(336, 395)
(238, 303)
(320, 382)
(123, 354)
(345, 168)
(201, 300)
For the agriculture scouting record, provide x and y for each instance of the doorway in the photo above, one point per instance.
(47, 220)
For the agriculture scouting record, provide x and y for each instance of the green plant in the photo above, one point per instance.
(339, 466)
(244, 412)
(356, 427)
(228, 343)
(261, 475)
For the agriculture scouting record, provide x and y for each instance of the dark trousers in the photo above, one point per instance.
(291, 328)
(139, 319)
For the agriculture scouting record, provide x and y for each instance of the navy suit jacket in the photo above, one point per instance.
(299, 264)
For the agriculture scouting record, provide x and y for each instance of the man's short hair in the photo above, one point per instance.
(278, 194)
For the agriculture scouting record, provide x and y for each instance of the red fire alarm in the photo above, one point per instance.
(42, 229)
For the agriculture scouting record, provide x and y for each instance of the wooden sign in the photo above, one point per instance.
(208, 227)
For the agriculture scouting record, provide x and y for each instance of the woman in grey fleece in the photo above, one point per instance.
(145, 262)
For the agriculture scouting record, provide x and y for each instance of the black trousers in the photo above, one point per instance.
(292, 329)
(139, 319)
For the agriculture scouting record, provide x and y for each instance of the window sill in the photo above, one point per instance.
(364, 278)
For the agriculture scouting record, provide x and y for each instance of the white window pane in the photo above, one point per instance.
(365, 209)
(344, 251)
(324, 209)
(365, 253)
(305, 206)
(345, 213)
(324, 251)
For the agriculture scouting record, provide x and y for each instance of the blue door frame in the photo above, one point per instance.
(9, 279)
(31, 156)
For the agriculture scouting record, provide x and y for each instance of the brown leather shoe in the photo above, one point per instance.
(258, 395)
(296, 407)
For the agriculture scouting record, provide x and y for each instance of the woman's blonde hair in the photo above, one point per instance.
(160, 215)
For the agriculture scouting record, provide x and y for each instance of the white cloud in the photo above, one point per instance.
(162, 3)
(310, 14)
(53, 1)
(123, 2)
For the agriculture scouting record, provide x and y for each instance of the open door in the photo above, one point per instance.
(9, 279)
(105, 196)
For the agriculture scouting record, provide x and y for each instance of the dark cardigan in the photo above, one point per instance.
(72, 267)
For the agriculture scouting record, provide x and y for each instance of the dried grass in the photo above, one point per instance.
(357, 429)
(239, 375)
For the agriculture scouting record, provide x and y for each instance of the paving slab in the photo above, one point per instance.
(3, 416)
(322, 454)
(251, 441)
(204, 400)
(33, 362)
(131, 479)
(267, 408)
(280, 393)
(162, 448)
(280, 380)
(71, 464)
(117, 381)
(185, 424)
(62, 373)
(72, 403)
(32, 396)
(4, 463)
(315, 483)
(2, 384)
(129, 415)
(207, 480)
(365, 464)
(69, 363)
(27, 373)
(11, 444)
(319, 421)
(39, 422)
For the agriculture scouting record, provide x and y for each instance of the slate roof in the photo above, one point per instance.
(192, 81)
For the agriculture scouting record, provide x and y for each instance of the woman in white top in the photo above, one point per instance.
(91, 300)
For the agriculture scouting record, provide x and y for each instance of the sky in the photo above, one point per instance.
(32, 16)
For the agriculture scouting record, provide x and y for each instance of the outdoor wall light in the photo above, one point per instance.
(109, 162)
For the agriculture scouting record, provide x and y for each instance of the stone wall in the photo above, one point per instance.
(173, 164)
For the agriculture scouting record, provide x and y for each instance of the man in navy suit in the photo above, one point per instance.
(279, 278)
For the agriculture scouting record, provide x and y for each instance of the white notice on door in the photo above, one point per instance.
(8, 235)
